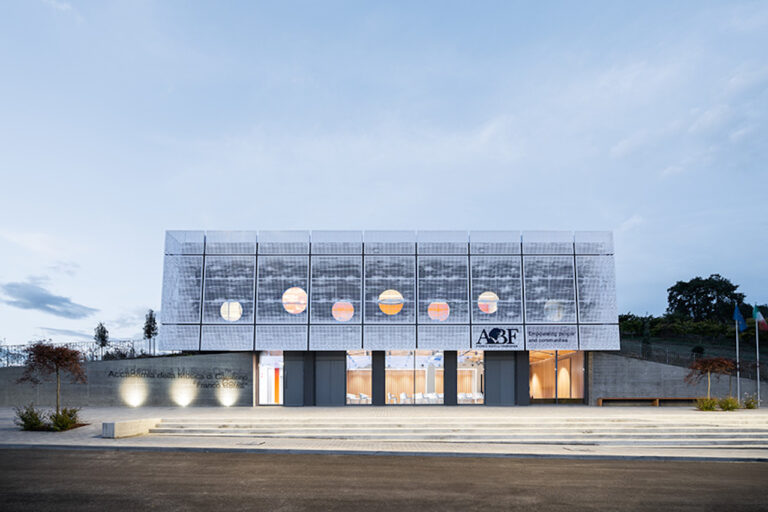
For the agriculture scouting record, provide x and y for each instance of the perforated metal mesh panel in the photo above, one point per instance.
(276, 275)
(178, 337)
(547, 242)
(390, 242)
(335, 337)
(443, 337)
(229, 279)
(593, 242)
(599, 337)
(389, 337)
(390, 273)
(227, 337)
(182, 289)
(549, 289)
(443, 279)
(442, 242)
(500, 275)
(494, 242)
(498, 337)
(596, 285)
(283, 242)
(551, 337)
(281, 337)
(336, 280)
(337, 242)
(230, 242)
(184, 242)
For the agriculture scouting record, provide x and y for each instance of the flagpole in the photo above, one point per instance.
(738, 373)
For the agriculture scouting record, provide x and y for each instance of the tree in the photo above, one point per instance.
(45, 359)
(708, 366)
(150, 328)
(704, 299)
(101, 335)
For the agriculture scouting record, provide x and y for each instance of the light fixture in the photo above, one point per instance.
(133, 391)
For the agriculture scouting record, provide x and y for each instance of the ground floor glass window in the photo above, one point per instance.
(470, 377)
(556, 375)
(271, 378)
(414, 377)
(359, 379)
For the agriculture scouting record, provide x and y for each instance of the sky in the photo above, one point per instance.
(119, 120)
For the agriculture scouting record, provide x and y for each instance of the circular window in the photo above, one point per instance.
(390, 302)
(295, 300)
(488, 302)
(554, 310)
(343, 311)
(439, 311)
(231, 311)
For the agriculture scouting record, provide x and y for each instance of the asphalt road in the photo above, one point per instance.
(167, 481)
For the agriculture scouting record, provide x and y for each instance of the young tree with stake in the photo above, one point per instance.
(44, 359)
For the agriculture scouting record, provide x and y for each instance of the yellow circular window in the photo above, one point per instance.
(390, 302)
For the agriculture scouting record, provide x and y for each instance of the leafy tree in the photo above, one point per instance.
(150, 328)
(101, 335)
(708, 366)
(704, 299)
(44, 359)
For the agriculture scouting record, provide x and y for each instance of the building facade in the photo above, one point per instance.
(390, 317)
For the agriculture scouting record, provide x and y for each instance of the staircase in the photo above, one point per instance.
(721, 431)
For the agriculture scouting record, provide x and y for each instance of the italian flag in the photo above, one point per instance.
(759, 319)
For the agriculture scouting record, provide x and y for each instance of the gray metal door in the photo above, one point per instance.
(499, 378)
(330, 378)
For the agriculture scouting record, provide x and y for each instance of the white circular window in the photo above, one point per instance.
(295, 300)
(231, 311)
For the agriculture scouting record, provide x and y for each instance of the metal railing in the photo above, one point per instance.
(15, 355)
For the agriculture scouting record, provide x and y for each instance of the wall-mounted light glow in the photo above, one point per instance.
(231, 311)
(439, 310)
(554, 310)
(227, 392)
(133, 391)
(488, 302)
(343, 311)
(390, 302)
(295, 300)
(183, 391)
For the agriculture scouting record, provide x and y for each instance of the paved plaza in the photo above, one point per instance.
(674, 433)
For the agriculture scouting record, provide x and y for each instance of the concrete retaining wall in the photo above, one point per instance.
(202, 380)
(613, 375)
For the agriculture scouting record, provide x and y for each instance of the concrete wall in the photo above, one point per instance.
(204, 380)
(612, 375)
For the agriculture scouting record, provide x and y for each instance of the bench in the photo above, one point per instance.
(653, 401)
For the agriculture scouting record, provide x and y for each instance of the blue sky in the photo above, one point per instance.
(119, 120)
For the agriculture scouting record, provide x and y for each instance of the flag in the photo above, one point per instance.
(759, 319)
(739, 319)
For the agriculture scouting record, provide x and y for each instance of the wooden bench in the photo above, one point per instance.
(653, 401)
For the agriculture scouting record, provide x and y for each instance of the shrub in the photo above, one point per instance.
(728, 403)
(29, 418)
(750, 402)
(706, 404)
(65, 420)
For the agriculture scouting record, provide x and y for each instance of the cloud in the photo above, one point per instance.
(631, 223)
(69, 268)
(58, 5)
(30, 295)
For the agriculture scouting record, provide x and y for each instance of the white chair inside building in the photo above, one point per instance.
(352, 398)
(432, 398)
(419, 398)
(404, 398)
(477, 398)
(391, 399)
(364, 399)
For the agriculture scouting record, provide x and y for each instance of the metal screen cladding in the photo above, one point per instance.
(281, 337)
(596, 285)
(182, 289)
(443, 337)
(599, 337)
(230, 242)
(335, 337)
(443, 290)
(179, 337)
(550, 296)
(277, 275)
(390, 289)
(227, 337)
(386, 337)
(229, 289)
(336, 290)
(497, 289)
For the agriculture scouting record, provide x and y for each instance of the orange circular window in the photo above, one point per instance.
(391, 302)
(439, 311)
(295, 300)
(343, 311)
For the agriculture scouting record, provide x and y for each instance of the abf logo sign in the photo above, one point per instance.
(498, 336)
